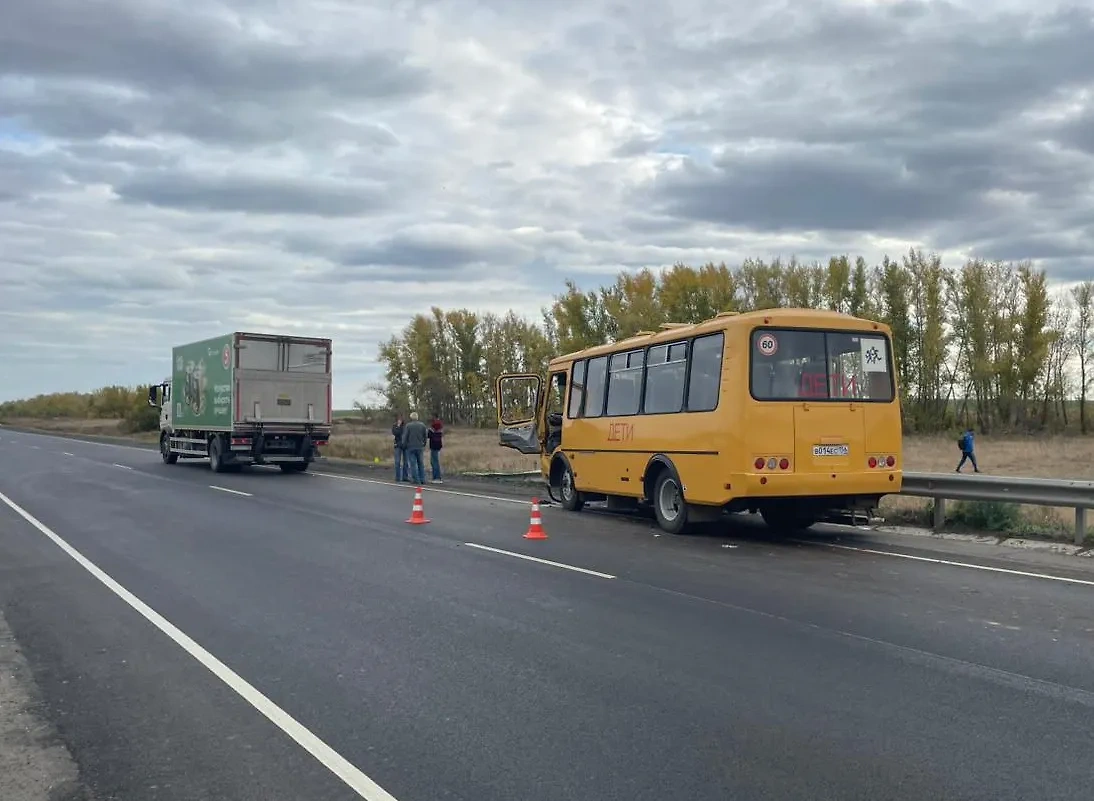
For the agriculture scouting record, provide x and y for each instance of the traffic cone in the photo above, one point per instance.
(535, 527)
(417, 514)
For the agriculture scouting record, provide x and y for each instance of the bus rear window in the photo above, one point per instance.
(797, 364)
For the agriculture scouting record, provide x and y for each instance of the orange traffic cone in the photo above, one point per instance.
(535, 527)
(417, 514)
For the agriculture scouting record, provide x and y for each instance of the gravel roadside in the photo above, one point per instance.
(35, 765)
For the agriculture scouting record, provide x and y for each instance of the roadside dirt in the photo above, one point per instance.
(34, 764)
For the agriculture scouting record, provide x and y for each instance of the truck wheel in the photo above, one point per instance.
(216, 456)
(165, 450)
(669, 504)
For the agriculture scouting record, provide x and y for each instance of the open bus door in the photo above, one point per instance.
(518, 396)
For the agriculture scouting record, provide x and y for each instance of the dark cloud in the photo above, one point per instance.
(810, 190)
(249, 193)
(166, 46)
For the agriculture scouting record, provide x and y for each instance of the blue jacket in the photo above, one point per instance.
(966, 443)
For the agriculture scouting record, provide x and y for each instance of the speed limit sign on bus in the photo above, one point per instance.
(767, 344)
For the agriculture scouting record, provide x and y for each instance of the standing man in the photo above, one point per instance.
(414, 439)
(966, 445)
(400, 451)
(436, 437)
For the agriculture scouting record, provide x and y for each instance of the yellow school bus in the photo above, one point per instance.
(792, 413)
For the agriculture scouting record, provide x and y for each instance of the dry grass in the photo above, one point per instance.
(465, 449)
(99, 428)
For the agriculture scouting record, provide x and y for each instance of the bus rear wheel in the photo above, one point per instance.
(669, 504)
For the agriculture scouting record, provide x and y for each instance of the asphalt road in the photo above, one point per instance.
(304, 623)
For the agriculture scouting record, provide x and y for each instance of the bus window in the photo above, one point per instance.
(706, 373)
(810, 365)
(556, 391)
(594, 386)
(665, 378)
(625, 382)
(577, 391)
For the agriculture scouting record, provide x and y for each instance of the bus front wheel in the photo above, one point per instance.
(669, 504)
(571, 498)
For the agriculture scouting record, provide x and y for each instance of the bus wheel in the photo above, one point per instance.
(669, 504)
(571, 498)
(786, 518)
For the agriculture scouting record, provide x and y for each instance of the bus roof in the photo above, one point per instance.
(673, 332)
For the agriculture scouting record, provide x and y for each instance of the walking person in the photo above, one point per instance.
(436, 442)
(415, 436)
(965, 443)
(400, 451)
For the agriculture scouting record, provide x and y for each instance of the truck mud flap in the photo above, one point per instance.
(257, 449)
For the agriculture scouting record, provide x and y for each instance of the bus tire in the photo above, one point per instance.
(669, 504)
(567, 490)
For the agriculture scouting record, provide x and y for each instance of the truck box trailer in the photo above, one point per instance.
(246, 398)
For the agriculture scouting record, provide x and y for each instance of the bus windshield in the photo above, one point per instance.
(797, 364)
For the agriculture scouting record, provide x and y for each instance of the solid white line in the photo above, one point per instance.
(122, 466)
(337, 764)
(234, 492)
(969, 565)
(541, 561)
(425, 488)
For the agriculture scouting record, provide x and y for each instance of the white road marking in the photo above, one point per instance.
(541, 561)
(968, 565)
(122, 466)
(426, 488)
(337, 764)
(234, 492)
(69, 454)
(34, 447)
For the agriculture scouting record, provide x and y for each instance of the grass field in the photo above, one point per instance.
(476, 450)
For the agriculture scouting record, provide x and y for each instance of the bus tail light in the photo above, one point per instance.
(872, 462)
(890, 460)
(772, 463)
(784, 463)
(760, 464)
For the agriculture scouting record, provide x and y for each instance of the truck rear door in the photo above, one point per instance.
(283, 380)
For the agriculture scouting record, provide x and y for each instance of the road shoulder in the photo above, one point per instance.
(35, 765)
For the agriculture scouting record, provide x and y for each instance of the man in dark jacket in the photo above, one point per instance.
(436, 442)
(966, 445)
(414, 439)
(400, 451)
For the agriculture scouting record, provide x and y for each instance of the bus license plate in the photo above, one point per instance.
(831, 450)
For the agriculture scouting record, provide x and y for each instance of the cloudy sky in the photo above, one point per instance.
(174, 170)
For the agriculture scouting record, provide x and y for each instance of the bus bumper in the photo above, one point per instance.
(818, 485)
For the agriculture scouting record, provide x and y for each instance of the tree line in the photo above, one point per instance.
(126, 404)
(986, 343)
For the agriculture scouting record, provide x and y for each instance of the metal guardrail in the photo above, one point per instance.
(1078, 495)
